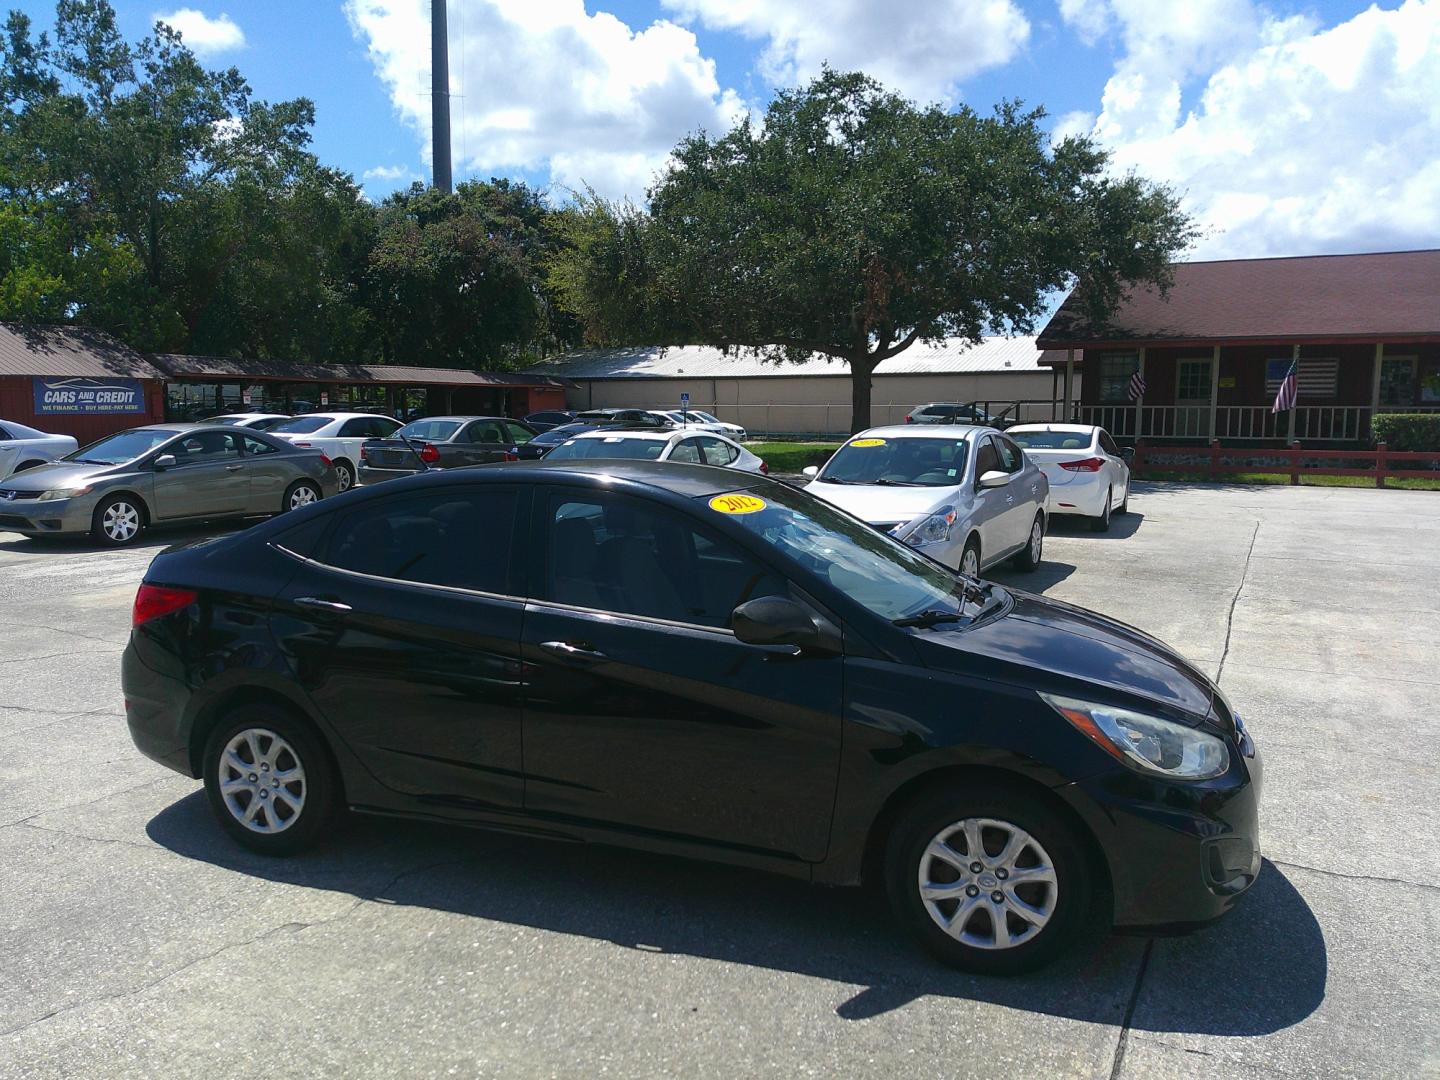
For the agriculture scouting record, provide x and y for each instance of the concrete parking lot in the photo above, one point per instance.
(135, 941)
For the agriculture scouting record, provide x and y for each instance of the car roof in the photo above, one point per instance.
(921, 431)
(455, 419)
(689, 481)
(661, 435)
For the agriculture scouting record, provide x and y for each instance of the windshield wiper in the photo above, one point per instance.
(931, 618)
(833, 480)
(894, 483)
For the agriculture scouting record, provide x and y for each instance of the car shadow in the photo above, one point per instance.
(156, 539)
(1122, 526)
(1262, 969)
(1045, 576)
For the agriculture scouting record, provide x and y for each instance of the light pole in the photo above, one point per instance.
(440, 95)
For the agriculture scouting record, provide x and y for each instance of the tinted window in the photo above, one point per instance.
(303, 540)
(917, 460)
(357, 428)
(257, 446)
(430, 430)
(5, 436)
(205, 446)
(461, 538)
(1011, 460)
(718, 452)
(687, 451)
(608, 446)
(267, 424)
(303, 425)
(519, 434)
(987, 458)
(487, 431)
(1108, 444)
(624, 555)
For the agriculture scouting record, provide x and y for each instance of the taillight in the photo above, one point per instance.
(1089, 464)
(364, 457)
(764, 469)
(429, 454)
(305, 445)
(512, 454)
(909, 420)
(324, 457)
(153, 601)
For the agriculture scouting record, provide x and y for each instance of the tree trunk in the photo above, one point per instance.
(861, 369)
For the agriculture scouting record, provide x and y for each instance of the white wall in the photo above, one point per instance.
(816, 403)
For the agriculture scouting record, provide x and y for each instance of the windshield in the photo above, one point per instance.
(303, 425)
(428, 430)
(126, 446)
(610, 446)
(904, 461)
(1052, 440)
(226, 420)
(877, 572)
(563, 432)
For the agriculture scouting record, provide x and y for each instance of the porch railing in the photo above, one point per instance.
(1316, 423)
(1214, 461)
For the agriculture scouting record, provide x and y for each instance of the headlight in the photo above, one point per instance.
(931, 529)
(1146, 743)
(63, 493)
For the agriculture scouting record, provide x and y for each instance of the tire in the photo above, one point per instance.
(291, 816)
(971, 551)
(1034, 550)
(300, 493)
(118, 521)
(1124, 507)
(1101, 524)
(1042, 918)
(345, 475)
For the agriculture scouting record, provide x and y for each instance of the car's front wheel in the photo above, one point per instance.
(989, 880)
(970, 558)
(1029, 556)
(269, 780)
(118, 520)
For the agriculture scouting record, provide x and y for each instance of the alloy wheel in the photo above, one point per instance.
(262, 781)
(120, 522)
(303, 495)
(343, 474)
(970, 563)
(1037, 540)
(988, 883)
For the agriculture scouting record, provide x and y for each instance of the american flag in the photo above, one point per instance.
(1288, 392)
(1137, 386)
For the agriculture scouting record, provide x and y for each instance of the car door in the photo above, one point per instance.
(991, 504)
(208, 478)
(485, 441)
(643, 711)
(1117, 466)
(1024, 493)
(270, 473)
(404, 629)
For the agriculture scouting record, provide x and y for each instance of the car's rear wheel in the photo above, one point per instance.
(970, 558)
(989, 880)
(118, 520)
(301, 493)
(269, 780)
(1102, 523)
(1029, 557)
(344, 475)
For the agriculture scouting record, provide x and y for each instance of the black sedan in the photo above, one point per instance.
(445, 442)
(689, 660)
(548, 418)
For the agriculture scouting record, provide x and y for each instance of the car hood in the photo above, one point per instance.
(1040, 635)
(59, 474)
(879, 504)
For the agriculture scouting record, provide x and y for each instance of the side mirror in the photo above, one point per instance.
(994, 478)
(774, 620)
(1128, 453)
(164, 461)
(811, 471)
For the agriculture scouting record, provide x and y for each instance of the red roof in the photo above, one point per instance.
(1381, 296)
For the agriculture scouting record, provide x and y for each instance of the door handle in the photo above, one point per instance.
(319, 603)
(578, 652)
(233, 468)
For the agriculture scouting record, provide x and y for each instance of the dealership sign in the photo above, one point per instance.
(89, 396)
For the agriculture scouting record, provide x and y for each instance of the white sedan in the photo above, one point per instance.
(690, 447)
(707, 422)
(1089, 475)
(23, 447)
(338, 436)
(255, 421)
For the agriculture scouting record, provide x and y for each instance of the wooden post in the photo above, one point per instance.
(1294, 452)
(1140, 401)
(1214, 459)
(1380, 465)
(1214, 388)
(1069, 381)
(1294, 366)
(1375, 385)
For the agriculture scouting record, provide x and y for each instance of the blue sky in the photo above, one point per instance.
(1290, 127)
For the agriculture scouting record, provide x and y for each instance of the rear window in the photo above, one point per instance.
(429, 430)
(1051, 440)
(609, 446)
(303, 425)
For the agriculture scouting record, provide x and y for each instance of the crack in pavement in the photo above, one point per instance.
(57, 722)
(1356, 877)
(77, 806)
(57, 655)
(74, 633)
(1230, 615)
(1119, 1062)
(1215, 1058)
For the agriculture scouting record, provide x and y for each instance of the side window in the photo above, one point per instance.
(1108, 444)
(460, 537)
(5, 436)
(614, 553)
(380, 428)
(518, 434)
(987, 458)
(355, 429)
(488, 432)
(1011, 459)
(207, 446)
(717, 452)
(688, 452)
(255, 447)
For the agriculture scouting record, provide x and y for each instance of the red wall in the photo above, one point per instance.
(17, 402)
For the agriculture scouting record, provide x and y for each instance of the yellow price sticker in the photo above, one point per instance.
(737, 504)
(868, 442)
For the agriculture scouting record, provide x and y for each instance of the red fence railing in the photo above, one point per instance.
(1215, 461)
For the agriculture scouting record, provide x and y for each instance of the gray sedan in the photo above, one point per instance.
(113, 489)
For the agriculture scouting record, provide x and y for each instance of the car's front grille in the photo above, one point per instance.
(10, 495)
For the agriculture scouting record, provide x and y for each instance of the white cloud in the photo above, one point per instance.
(203, 35)
(1298, 138)
(390, 173)
(923, 48)
(550, 88)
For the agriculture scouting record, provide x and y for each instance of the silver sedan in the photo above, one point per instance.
(965, 496)
(113, 489)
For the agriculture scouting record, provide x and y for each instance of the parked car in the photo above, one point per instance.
(116, 488)
(24, 447)
(949, 412)
(964, 495)
(687, 447)
(443, 442)
(548, 418)
(1089, 475)
(624, 416)
(339, 435)
(694, 418)
(703, 663)
(255, 421)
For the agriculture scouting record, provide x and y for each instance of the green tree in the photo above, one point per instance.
(854, 223)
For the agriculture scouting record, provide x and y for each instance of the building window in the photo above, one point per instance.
(1397, 380)
(1115, 372)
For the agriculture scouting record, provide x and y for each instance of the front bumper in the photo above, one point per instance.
(1179, 854)
(57, 517)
